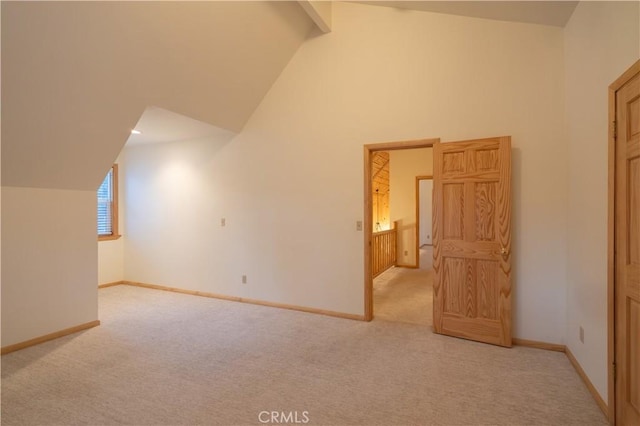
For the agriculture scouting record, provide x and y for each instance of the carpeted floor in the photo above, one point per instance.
(163, 358)
(404, 295)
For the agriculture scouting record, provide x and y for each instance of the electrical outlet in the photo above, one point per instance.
(223, 222)
(244, 279)
(581, 334)
(359, 225)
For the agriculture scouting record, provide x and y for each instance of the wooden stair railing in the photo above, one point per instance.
(383, 250)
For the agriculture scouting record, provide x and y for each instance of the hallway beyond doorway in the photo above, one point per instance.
(426, 257)
(404, 295)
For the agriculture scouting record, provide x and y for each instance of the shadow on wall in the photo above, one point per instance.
(406, 243)
(516, 197)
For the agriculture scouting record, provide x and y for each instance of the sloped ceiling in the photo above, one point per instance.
(380, 172)
(77, 76)
(556, 13)
(157, 125)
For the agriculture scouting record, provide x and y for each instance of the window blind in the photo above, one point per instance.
(105, 205)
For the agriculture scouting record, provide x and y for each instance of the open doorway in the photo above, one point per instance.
(424, 221)
(402, 293)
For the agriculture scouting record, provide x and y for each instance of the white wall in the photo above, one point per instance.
(110, 261)
(404, 166)
(602, 40)
(426, 210)
(49, 261)
(380, 75)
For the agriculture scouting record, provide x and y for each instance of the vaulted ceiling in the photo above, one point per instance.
(76, 76)
(380, 172)
(555, 13)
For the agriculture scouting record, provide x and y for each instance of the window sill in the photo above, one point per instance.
(108, 237)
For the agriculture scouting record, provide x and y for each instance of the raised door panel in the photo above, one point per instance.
(453, 199)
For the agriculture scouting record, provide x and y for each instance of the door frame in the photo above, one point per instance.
(611, 228)
(418, 179)
(368, 209)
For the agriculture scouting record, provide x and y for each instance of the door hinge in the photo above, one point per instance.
(614, 372)
(615, 130)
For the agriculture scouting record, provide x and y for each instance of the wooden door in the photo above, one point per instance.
(472, 240)
(627, 253)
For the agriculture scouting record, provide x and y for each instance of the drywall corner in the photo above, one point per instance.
(49, 259)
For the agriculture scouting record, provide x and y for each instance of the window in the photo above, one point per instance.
(108, 206)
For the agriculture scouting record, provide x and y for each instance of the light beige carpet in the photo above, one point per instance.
(162, 358)
(404, 295)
